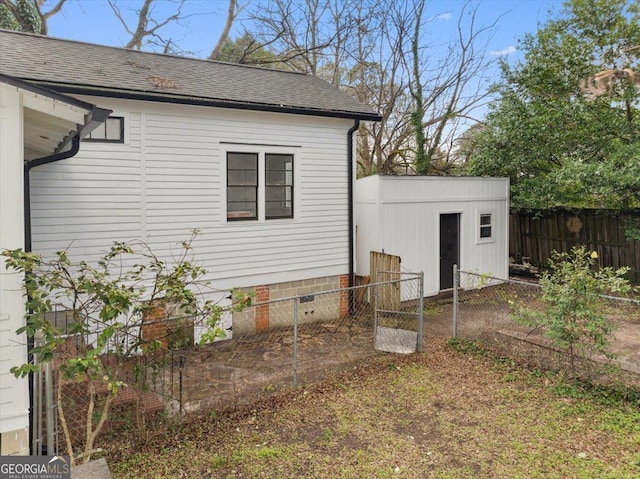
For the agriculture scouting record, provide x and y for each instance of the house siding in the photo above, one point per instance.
(169, 178)
(14, 393)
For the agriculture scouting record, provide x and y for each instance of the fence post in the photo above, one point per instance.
(295, 341)
(456, 279)
(50, 408)
(181, 379)
(421, 312)
(36, 443)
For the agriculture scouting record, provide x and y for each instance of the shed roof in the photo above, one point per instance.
(84, 68)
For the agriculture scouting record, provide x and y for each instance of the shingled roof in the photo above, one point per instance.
(83, 68)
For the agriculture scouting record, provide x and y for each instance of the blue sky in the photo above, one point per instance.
(93, 21)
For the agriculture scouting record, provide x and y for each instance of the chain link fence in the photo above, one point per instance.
(307, 337)
(150, 382)
(486, 308)
(296, 340)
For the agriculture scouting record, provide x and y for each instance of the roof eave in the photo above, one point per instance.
(165, 97)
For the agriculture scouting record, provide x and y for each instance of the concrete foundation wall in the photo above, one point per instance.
(314, 305)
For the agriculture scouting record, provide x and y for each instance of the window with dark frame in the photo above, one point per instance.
(485, 226)
(242, 186)
(278, 186)
(111, 131)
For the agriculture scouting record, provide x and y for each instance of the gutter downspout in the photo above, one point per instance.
(95, 117)
(75, 146)
(350, 161)
(28, 165)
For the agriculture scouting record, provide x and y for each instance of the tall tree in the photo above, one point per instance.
(558, 139)
(146, 25)
(232, 11)
(28, 15)
(143, 21)
(417, 116)
(246, 50)
(381, 52)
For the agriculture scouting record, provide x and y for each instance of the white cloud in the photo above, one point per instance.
(442, 16)
(501, 53)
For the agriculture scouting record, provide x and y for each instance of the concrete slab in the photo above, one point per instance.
(92, 470)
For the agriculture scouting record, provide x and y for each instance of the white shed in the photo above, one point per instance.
(432, 223)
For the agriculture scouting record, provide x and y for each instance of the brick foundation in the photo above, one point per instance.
(344, 296)
(262, 312)
(154, 324)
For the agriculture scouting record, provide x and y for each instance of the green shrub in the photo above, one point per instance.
(574, 314)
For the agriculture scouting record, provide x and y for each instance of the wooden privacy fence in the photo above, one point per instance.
(386, 268)
(535, 234)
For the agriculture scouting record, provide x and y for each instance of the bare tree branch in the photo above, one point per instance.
(147, 26)
(231, 16)
(54, 10)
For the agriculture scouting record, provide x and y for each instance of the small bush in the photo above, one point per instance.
(574, 315)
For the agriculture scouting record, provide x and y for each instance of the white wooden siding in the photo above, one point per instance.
(14, 397)
(168, 178)
(401, 215)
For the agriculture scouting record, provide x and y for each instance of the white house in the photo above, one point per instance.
(434, 222)
(36, 126)
(260, 161)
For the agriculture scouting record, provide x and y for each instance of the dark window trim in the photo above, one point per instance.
(266, 185)
(257, 201)
(107, 140)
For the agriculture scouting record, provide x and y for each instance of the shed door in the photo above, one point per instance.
(449, 248)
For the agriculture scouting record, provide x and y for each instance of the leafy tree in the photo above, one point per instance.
(247, 50)
(24, 15)
(574, 316)
(109, 302)
(558, 142)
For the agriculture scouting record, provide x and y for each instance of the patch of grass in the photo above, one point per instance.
(217, 461)
(456, 411)
(468, 346)
(270, 452)
(432, 308)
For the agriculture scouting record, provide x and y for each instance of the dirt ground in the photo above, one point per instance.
(245, 368)
(441, 414)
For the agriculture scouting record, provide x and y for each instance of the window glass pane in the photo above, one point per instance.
(278, 210)
(111, 131)
(98, 133)
(242, 186)
(279, 186)
(485, 219)
(277, 178)
(241, 194)
(242, 178)
(240, 211)
(276, 193)
(242, 161)
(279, 202)
(279, 162)
(113, 127)
(485, 232)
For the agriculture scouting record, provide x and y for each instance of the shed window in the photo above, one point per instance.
(242, 186)
(111, 131)
(486, 228)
